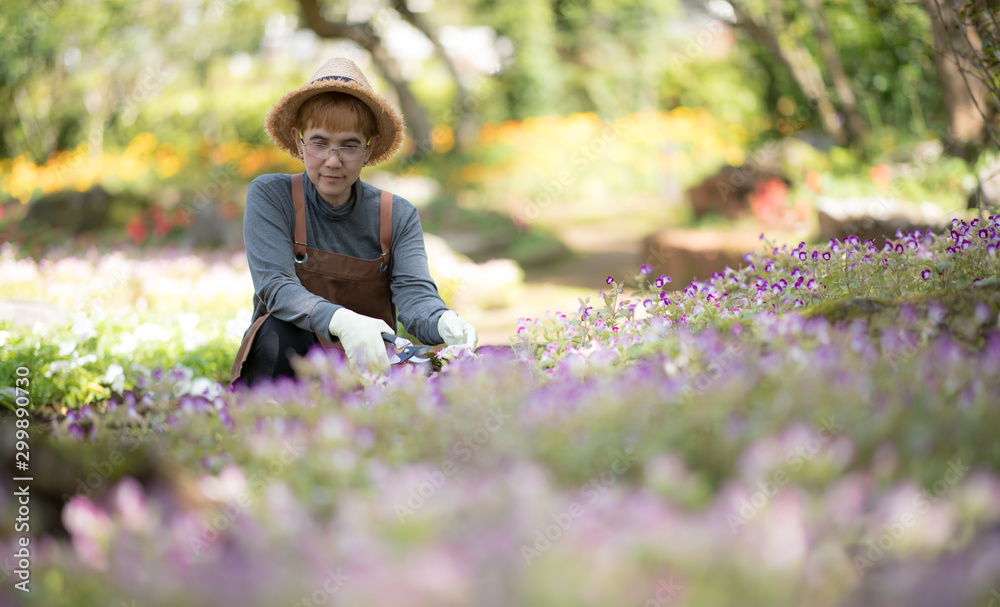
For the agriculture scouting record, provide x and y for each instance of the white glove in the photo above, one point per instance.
(361, 337)
(457, 332)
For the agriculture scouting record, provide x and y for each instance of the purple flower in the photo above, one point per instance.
(645, 269)
(983, 234)
(776, 288)
(815, 255)
(769, 266)
(811, 285)
(852, 240)
(826, 256)
(783, 283)
(926, 274)
(803, 256)
(796, 273)
(899, 249)
(992, 250)
(610, 280)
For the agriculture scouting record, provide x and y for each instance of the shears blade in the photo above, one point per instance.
(402, 350)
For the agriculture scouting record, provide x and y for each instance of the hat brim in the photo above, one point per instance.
(281, 117)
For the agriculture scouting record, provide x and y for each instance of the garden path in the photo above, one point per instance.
(599, 251)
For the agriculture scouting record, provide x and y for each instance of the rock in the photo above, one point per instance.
(685, 255)
(74, 212)
(986, 195)
(463, 283)
(212, 228)
(875, 218)
(727, 192)
(968, 314)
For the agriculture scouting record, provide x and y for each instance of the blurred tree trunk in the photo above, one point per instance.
(831, 57)
(956, 43)
(366, 36)
(465, 128)
(795, 57)
(983, 20)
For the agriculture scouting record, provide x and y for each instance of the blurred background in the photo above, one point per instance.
(551, 143)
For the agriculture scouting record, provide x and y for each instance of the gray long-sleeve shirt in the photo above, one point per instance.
(350, 229)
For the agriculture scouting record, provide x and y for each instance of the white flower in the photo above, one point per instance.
(188, 322)
(151, 332)
(194, 340)
(126, 345)
(66, 348)
(202, 386)
(59, 366)
(3, 337)
(83, 326)
(115, 377)
(238, 326)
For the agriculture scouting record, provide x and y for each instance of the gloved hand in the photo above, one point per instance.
(361, 337)
(455, 331)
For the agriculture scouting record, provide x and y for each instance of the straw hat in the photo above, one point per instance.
(338, 75)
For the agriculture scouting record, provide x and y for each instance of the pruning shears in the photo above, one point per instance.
(402, 350)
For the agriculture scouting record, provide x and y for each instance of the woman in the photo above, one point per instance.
(332, 258)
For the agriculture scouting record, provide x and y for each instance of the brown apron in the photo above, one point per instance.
(360, 285)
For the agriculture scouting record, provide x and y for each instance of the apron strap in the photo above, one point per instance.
(244, 351)
(385, 226)
(299, 204)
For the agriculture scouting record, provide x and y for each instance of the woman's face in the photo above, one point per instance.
(333, 177)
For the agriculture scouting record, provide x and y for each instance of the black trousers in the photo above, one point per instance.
(276, 342)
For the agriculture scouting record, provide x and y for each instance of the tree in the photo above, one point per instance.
(367, 35)
(771, 31)
(967, 56)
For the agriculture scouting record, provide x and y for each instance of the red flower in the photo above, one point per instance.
(136, 229)
(881, 175)
(813, 181)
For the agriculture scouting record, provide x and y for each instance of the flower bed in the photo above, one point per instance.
(814, 428)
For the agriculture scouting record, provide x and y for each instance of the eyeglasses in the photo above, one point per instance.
(323, 151)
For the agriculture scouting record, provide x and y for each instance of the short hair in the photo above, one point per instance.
(337, 112)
